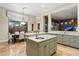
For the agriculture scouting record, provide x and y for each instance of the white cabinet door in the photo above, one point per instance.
(66, 40)
(76, 41)
(44, 50)
(77, 45)
(29, 51)
(51, 45)
(59, 38)
(41, 51)
(34, 51)
(72, 40)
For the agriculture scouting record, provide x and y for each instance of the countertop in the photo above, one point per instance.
(46, 37)
(56, 32)
(34, 33)
(64, 33)
(72, 34)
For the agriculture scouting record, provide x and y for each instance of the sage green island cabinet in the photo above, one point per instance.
(45, 45)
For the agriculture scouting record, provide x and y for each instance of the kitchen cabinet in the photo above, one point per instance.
(66, 40)
(59, 38)
(44, 48)
(71, 40)
(76, 42)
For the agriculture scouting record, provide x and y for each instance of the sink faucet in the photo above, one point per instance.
(37, 33)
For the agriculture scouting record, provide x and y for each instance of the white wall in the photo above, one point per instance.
(49, 22)
(31, 20)
(40, 19)
(3, 25)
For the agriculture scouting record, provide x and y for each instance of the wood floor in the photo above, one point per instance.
(66, 51)
(19, 49)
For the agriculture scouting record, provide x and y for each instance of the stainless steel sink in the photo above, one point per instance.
(37, 35)
(40, 38)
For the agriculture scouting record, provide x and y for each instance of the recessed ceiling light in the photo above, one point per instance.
(43, 5)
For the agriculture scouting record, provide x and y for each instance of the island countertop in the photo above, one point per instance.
(46, 37)
(30, 34)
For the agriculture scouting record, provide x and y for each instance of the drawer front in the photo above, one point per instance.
(76, 39)
(43, 43)
(31, 43)
(52, 40)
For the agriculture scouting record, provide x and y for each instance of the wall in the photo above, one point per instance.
(3, 25)
(40, 19)
(31, 20)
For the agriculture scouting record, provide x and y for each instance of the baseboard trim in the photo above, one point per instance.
(4, 42)
(53, 53)
(68, 46)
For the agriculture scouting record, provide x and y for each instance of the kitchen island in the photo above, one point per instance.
(43, 45)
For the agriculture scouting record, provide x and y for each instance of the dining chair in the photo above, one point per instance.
(22, 36)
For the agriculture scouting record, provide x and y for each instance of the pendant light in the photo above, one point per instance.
(23, 23)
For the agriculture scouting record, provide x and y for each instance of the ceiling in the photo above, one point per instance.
(33, 8)
(66, 13)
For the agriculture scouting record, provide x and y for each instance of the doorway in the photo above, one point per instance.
(45, 23)
(17, 45)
